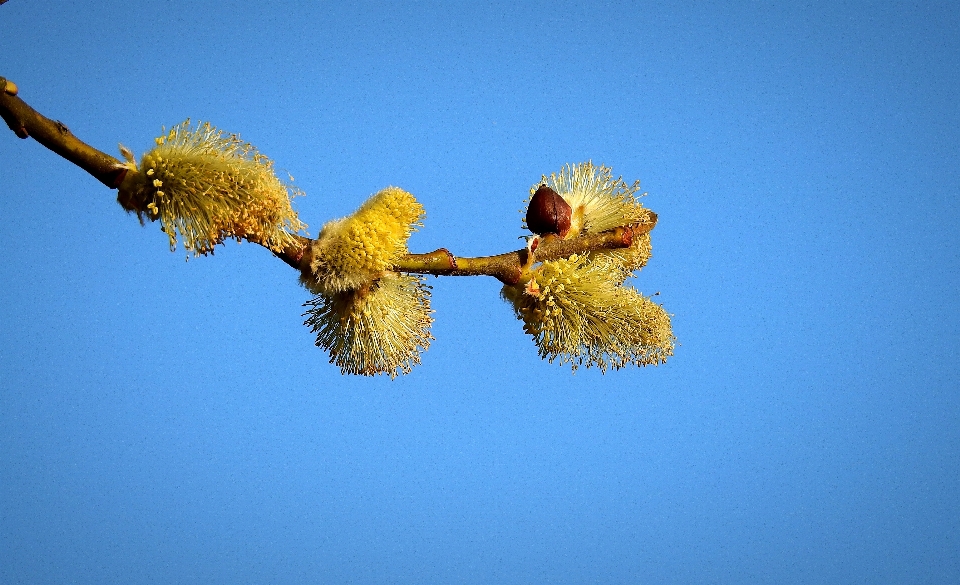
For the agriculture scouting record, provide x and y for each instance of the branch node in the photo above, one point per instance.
(450, 257)
(9, 87)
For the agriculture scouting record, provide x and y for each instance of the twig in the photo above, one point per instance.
(509, 268)
(27, 122)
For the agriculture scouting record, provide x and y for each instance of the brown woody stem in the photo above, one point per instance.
(509, 268)
(26, 122)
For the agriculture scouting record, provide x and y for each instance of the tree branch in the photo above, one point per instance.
(509, 268)
(26, 122)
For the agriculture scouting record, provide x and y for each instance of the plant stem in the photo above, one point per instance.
(510, 268)
(27, 122)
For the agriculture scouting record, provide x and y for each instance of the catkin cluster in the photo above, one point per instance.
(578, 309)
(371, 320)
(205, 186)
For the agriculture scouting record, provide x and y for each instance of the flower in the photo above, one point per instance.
(354, 251)
(577, 310)
(380, 328)
(599, 203)
(208, 186)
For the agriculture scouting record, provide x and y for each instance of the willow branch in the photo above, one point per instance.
(509, 268)
(27, 122)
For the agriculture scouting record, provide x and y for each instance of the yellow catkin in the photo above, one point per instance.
(380, 328)
(206, 186)
(355, 250)
(577, 311)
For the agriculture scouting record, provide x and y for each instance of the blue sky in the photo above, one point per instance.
(164, 421)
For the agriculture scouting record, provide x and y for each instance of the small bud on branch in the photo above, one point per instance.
(548, 213)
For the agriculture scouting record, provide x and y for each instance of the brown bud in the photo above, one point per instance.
(548, 213)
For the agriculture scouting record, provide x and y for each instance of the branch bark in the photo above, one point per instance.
(53, 134)
(509, 268)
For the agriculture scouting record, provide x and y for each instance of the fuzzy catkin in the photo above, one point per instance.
(380, 328)
(357, 249)
(577, 311)
(206, 186)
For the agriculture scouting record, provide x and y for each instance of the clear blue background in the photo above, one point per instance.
(164, 421)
